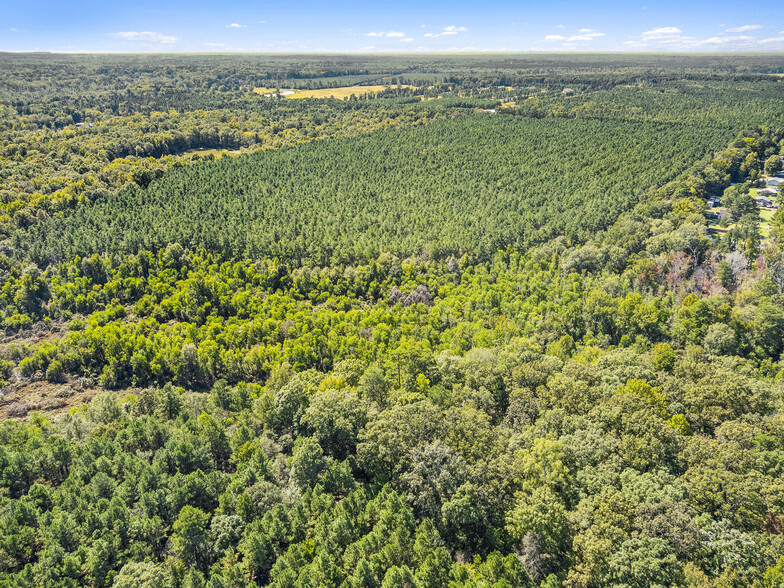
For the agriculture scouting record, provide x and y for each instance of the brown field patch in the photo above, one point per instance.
(22, 399)
(341, 93)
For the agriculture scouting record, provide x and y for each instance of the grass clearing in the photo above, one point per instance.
(340, 93)
(45, 398)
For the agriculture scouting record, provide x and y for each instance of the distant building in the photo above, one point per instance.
(714, 202)
(774, 182)
(764, 201)
(722, 213)
(280, 94)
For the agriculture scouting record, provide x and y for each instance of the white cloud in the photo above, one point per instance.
(235, 25)
(147, 36)
(743, 29)
(662, 32)
(385, 34)
(665, 37)
(676, 41)
(685, 41)
(554, 38)
(447, 31)
(774, 39)
(559, 26)
(725, 40)
(223, 48)
(714, 41)
(588, 33)
(262, 22)
(14, 30)
(407, 40)
(585, 35)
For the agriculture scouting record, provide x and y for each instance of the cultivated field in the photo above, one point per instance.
(339, 93)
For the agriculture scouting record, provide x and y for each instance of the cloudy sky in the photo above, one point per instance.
(391, 26)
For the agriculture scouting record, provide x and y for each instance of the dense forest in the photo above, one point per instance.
(484, 328)
(470, 185)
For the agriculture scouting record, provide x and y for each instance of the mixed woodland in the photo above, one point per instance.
(479, 329)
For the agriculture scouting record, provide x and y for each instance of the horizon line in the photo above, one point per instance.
(401, 53)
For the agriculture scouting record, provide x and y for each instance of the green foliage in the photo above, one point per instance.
(540, 526)
(550, 371)
(484, 177)
(773, 164)
(774, 575)
(664, 357)
(647, 562)
(644, 390)
(190, 537)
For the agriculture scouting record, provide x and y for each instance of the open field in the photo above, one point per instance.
(340, 93)
(45, 398)
(766, 217)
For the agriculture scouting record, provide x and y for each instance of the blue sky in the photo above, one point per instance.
(391, 26)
